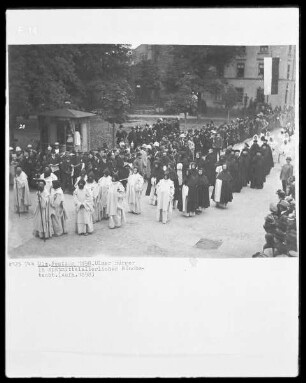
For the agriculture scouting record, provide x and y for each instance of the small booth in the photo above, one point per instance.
(69, 127)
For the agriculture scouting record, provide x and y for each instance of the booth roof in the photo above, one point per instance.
(66, 113)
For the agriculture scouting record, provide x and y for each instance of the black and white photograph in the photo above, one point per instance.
(125, 154)
(183, 150)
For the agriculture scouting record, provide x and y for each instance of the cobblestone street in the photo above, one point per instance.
(239, 230)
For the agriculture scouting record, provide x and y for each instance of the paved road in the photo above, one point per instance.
(238, 228)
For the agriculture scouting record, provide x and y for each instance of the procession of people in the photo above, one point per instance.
(174, 168)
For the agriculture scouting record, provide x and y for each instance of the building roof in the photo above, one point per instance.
(66, 113)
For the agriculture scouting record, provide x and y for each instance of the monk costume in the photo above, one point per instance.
(83, 202)
(114, 208)
(57, 210)
(22, 199)
(222, 192)
(104, 185)
(42, 222)
(165, 194)
(134, 191)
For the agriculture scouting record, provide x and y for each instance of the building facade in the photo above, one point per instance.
(245, 72)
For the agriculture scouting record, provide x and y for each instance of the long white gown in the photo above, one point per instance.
(165, 193)
(134, 191)
(84, 215)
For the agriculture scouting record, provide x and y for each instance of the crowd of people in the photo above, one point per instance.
(280, 224)
(175, 167)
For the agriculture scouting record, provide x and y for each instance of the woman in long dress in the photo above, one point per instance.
(114, 208)
(83, 202)
(22, 199)
(92, 186)
(58, 212)
(42, 222)
(202, 191)
(134, 191)
(189, 193)
(104, 185)
(165, 194)
(222, 192)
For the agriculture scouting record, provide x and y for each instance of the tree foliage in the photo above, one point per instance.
(146, 77)
(44, 77)
(229, 97)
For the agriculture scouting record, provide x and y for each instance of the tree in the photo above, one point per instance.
(146, 77)
(202, 65)
(182, 101)
(229, 98)
(44, 77)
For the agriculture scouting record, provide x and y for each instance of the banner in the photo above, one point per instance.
(271, 75)
(267, 75)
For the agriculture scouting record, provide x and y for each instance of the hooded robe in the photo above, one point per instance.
(22, 199)
(222, 192)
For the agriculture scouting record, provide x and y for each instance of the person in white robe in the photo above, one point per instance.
(57, 208)
(115, 208)
(104, 184)
(152, 198)
(83, 203)
(134, 191)
(185, 190)
(165, 193)
(93, 188)
(22, 199)
(283, 152)
(49, 177)
(42, 223)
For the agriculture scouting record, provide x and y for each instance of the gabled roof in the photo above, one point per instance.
(66, 113)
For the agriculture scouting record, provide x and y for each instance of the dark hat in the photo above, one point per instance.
(280, 192)
(289, 158)
(81, 182)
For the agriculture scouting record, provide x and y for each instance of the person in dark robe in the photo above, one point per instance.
(202, 191)
(222, 192)
(235, 171)
(244, 164)
(210, 169)
(269, 156)
(257, 171)
(265, 160)
(254, 148)
(189, 208)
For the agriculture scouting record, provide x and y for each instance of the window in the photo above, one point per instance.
(240, 92)
(264, 49)
(240, 70)
(288, 71)
(260, 69)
